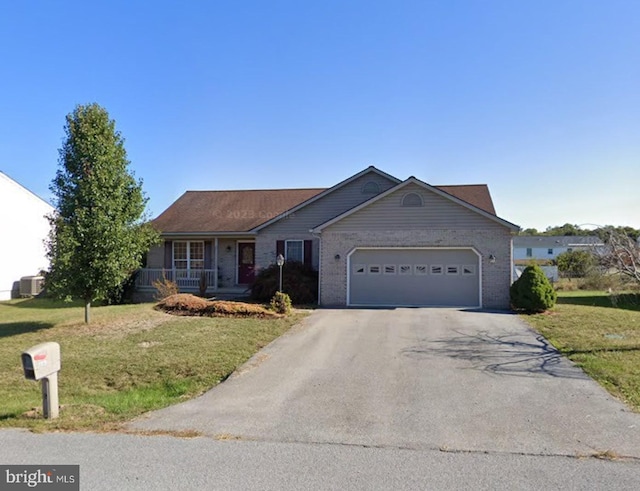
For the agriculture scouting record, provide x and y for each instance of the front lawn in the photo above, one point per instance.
(601, 334)
(129, 360)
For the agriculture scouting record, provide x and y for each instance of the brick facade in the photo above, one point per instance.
(496, 278)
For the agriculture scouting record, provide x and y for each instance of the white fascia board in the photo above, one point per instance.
(413, 180)
(207, 234)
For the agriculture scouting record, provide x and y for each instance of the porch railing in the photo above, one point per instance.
(185, 278)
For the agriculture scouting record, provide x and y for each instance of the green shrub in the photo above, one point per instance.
(532, 292)
(300, 282)
(575, 264)
(281, 303)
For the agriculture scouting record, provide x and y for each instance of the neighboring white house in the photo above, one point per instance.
(542, 247)
(23, 229)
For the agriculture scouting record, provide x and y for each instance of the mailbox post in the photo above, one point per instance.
(42, 362)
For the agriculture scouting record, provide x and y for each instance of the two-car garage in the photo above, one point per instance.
(414, 277)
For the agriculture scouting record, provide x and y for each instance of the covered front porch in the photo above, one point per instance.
(195, 264)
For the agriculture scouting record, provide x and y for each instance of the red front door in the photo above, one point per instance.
(246, 262)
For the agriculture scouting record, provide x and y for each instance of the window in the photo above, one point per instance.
(188, 256)
(389, 269)
(294, 250)
(468, 270)
(529, 252)
(404, 269)
(374, 269)
(371, 187)
(420, 269)
(452, 269)
(359, 269)
(436, 269)
(549, 251)
(412, 199)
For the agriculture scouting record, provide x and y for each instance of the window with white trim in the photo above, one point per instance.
(359, 269)
(404, 269)
(389, 269)
(374, 269)
(294, 250)
(188, 256)
(436, 269)
(452, 269)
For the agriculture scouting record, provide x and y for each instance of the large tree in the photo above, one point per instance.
(99, 232)
(621, 253)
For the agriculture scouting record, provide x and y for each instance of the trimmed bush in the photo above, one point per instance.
(532, 292)
(281, 303)
(300, 282)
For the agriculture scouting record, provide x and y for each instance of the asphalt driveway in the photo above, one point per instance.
(412, 378)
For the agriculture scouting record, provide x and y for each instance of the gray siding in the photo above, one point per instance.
(327, 207)
(437, 212)
(155, 257)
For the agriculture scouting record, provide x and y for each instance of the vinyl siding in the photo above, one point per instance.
(327, 207)
(437, 212)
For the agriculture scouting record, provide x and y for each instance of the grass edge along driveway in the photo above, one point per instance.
(129, 360)
(599, 333)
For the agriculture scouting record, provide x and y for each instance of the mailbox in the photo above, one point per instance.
(41, 361)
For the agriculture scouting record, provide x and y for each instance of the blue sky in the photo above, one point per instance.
(538, 99)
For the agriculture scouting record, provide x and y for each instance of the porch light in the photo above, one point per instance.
(492, 259)
(280, 262)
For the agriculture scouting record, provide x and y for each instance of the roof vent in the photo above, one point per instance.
(412, 199)
(371, 187)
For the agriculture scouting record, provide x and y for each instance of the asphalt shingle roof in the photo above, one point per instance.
(241, 211)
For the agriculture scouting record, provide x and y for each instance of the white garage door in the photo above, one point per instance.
(414, 277)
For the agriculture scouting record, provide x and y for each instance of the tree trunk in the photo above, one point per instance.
(87, 311)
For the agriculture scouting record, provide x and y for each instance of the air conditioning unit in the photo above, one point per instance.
(30, 286)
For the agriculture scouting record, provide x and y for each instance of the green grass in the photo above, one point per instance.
(601, 334)
(129, 360)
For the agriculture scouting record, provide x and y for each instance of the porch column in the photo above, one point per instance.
(215, 264)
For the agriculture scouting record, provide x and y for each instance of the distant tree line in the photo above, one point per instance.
(570, 229)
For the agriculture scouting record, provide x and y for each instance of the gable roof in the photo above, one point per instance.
(327, 191)
(475, 194)
(228, 211)
(448, 195)
(248, 211)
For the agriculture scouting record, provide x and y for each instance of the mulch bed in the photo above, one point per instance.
(190, 305)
